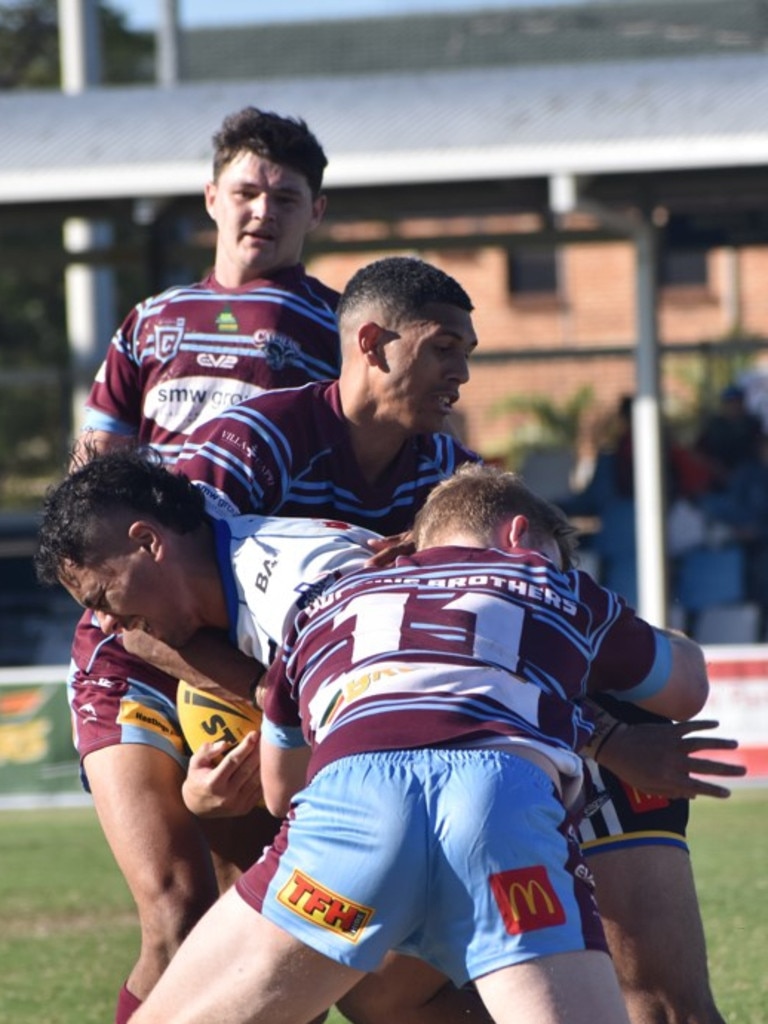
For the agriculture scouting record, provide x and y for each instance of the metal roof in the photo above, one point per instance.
(435, 126)
(511, 37)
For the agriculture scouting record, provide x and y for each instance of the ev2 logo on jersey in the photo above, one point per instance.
(216, 362)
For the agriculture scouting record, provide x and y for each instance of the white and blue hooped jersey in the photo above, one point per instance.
(273, 567)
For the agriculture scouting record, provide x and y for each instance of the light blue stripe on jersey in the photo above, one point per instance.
(230, 463)
(315, 492)
(283, 736)
(94, 419)
(318, 310)
(322, 314)
(657, 678)
(275, 439)
(232, 345)
(168, 452)
(320, 369)
(477, 708)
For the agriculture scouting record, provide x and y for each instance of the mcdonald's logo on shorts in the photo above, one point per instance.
(526, 899)
(641, 802)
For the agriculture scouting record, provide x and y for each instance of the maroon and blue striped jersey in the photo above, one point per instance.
(457, 646)
(194, 351)
(289, 453)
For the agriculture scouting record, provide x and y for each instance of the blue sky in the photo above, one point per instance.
(143, 14)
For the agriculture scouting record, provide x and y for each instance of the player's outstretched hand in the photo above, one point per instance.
(662, 758)
(224, 781)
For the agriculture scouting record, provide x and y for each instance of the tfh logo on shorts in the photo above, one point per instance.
(312, 901)
(526, 899)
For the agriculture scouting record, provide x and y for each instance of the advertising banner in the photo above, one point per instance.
(37, 758)
(36, 752)
(738, 700)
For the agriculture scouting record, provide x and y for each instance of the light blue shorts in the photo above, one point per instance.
(465, 858)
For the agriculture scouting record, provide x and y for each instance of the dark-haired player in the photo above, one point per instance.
(436, 697)
(257, 322)
(407, 335)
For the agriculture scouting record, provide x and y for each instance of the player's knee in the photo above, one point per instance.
(168, 909)
(672, 1004)
(364, 1008)
(385, 1003)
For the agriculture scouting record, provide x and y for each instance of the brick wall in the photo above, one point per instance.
(595, 308)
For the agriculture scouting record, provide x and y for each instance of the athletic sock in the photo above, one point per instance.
(127, 1005)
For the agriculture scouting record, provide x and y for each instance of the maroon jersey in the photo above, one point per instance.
(194, 351)
(289, 453)
(178, 359)
(458, 646)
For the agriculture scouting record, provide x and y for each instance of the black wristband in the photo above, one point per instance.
(605, 739)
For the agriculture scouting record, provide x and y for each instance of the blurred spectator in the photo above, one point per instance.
(688, 474)
(740, 507)
(730, 436)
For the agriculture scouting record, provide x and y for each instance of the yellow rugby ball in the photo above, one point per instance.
(205, 718)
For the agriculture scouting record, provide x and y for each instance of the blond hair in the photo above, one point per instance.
(476, 499)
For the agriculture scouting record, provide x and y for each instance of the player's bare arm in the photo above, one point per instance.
(687, 686)
(208, 661)
(661, 758)
(283, 773)
(96, 442)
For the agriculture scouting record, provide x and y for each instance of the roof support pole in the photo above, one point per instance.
(90, 301)
(79, 47)
(167, 44)
(648, 445)
(88, 288)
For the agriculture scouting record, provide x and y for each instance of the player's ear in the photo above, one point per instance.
(516, 532)
(210, 191)
(371, 338)
(145, 536)
(319, 205)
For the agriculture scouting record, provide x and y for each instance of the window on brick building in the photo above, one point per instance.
(683, 267)
(532, 272)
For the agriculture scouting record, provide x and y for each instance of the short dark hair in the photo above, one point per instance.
(283, 140)
(75, 510)
(403, 286)
(477, 498)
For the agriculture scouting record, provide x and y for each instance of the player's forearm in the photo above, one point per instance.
(208, 661)
(661, 758)
(687, 687)
(283, 774)
(91, 443)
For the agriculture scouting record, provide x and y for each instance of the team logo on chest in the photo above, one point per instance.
(168, 337)
(278, 350)
(227, 321)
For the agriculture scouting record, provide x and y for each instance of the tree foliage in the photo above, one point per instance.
(29, 46)
(33, 371)
(543, 422)
(34, 358)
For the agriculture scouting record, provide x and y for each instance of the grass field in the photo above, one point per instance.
(69, 936)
